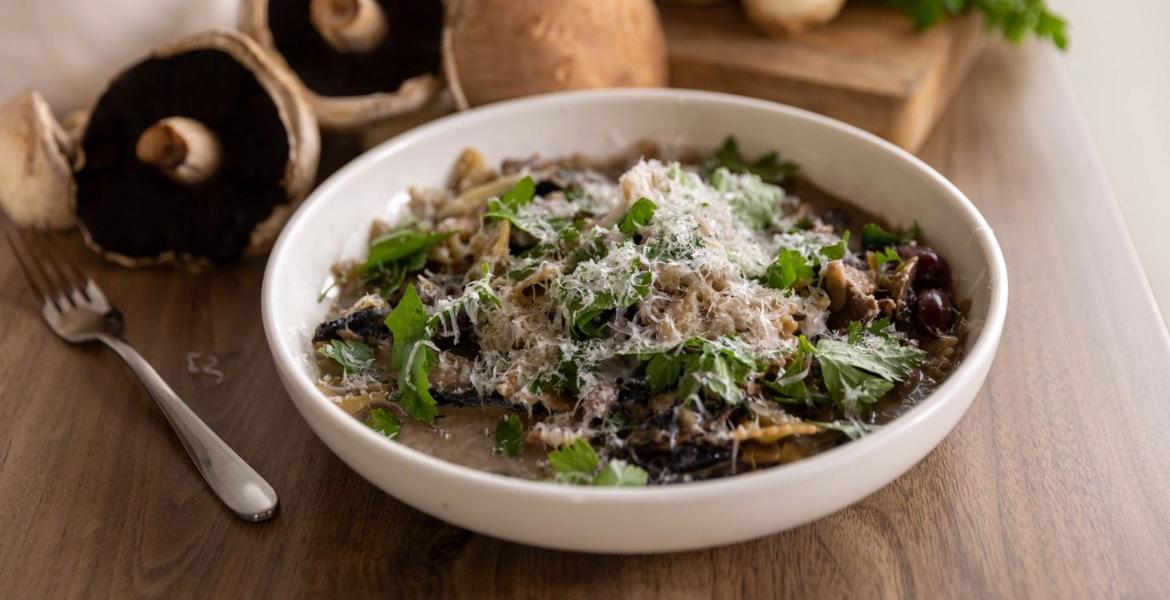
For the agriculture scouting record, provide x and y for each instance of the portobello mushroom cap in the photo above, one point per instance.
(36, 175)
(195, 155)
(499, 49)
(361, 61)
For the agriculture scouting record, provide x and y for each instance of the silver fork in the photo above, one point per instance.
(76, 310)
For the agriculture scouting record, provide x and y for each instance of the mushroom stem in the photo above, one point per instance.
(182, 148)
(349, 25)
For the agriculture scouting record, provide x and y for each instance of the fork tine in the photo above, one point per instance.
(69, 271)
(72, 272)
(59, 285)
(32, 274)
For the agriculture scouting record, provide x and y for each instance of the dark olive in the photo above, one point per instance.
(933, 270)
(933, 312)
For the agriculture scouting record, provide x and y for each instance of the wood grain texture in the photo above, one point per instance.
(1055, 485)
(868, 67)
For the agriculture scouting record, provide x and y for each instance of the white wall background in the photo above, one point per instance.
(1119, 66)
(68, 49)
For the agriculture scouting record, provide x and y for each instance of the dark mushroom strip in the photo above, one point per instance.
(474, 400)
(368, 325)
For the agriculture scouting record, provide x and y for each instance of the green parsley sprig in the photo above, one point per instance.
(1015, 19)
(768, 167)
(577, 463)
(353, 356)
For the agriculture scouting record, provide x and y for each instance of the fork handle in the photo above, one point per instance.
(236, 483)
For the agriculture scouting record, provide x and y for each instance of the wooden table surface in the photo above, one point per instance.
(1055, 484)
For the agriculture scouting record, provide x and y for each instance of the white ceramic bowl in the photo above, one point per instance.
(886, 180)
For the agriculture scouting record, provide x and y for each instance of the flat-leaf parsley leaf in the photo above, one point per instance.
(384, 423)
(509, 436)
(354, 356)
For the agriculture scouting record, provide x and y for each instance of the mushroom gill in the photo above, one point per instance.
(195, 155)
(349, 25)
(360, 61)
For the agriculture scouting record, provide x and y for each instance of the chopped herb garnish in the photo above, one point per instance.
(880, 355)
(477, 295)
(1015, 19)
(700, 365)
(839, 250)
(788, 270)
(384, 423)
(874, 236)
(576, 463)
(354, 356)
(879, 327)
(791, 384)
(617, 473)
(395, 255)
(592, 249)
(865, 368)
(849, 386)
(507, 207)
(510, 436)
(890, 254)
(523, 273)
(413, 355)
(854, 331)
(753, 200)
(590, 311)
(769, 167)
(522, 193)
(638, 216)
(854, 429)
(400, 244)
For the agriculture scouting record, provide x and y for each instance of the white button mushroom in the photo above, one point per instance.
(36, 176)
(791, 16)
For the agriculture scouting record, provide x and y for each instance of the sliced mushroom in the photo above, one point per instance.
(452, 374)
(791, 16)
(499, 49)
(850, 293)
(901, 282)
(361, 61)
(195, 155)
(471, 169)
(36, 178)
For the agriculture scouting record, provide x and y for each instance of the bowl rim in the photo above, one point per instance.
(981, 353)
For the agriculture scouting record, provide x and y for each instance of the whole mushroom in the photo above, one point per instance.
(36, 174)
(361, 61)
(195, 155)
(791, 16)
(499, 49)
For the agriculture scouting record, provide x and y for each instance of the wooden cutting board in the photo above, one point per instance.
(869, 67)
